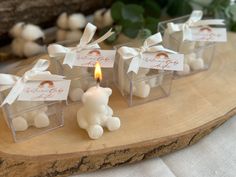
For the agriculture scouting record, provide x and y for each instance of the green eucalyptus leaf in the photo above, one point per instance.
(131, 32)
(233, 27)
(116, 10)
(179, 7)
(118, 28)
(144, 33)
(103, 30)
(152, 8)
(130, 24)
(231, 12)
(131, 29)
(151, 23)
(112, 38)
(132, 12)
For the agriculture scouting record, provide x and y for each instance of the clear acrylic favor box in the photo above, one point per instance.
(198, 55)
(27, 119)
(147, 85)
(82, 78)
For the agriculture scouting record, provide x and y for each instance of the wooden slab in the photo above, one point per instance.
(197, 105)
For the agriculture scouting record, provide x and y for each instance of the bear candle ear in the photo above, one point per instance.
(109, 91)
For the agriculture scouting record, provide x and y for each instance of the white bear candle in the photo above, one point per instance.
(95, 113)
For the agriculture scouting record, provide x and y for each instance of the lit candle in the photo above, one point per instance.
(95, 113)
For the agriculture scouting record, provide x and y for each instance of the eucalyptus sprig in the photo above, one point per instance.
(131, 16)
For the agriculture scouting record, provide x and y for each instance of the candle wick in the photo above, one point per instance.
(98, 82)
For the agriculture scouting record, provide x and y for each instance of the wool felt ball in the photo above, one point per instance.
(76, 94)
(32, 32)
(197, 64)
(76, 21)
(17, 29)
(31, 48)
(19, 124)
(41, 120)
(17, 47)
(62, 21)
(103, 18)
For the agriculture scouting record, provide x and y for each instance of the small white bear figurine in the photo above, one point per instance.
(37, 118)
(103, 18)
(95, 113)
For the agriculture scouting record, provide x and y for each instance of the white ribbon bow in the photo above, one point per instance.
(136, 54)
(56, 50)
(193, 21)
(37, 73)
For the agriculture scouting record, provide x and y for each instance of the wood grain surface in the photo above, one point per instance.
(197, 105)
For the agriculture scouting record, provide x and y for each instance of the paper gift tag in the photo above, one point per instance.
(88, 58)
(163, 60)
(45, 91)
(208, 34)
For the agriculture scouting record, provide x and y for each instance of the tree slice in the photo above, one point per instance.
(197, 105)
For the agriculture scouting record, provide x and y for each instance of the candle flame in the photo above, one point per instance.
(98, 72)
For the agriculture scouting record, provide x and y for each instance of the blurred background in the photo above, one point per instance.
(62, 20)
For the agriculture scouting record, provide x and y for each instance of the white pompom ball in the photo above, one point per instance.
(185, 71)
(76, 94)
(19, 124)
(17, 29)
(32, 48)
(142, 90)
(76, 21)
(189, 58)
(32, 32)
(102, 18)
(197, 64)
(41, 120)
(61, 35)
(107, 21)
(186, 47)
(74, 35)
(153, 82)
(62, 21)
(17, 47)
(98, 17)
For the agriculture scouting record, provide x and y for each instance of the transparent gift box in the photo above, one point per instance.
(27, 119)
(198, 55)
(82, 78)
(147, 85)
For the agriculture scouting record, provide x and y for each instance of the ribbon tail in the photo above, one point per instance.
(41, 65)
(104, 37)
(69, 59)
(134, 64)
(187, 34)
(88, 34)
(14, 93)
(56, 50)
